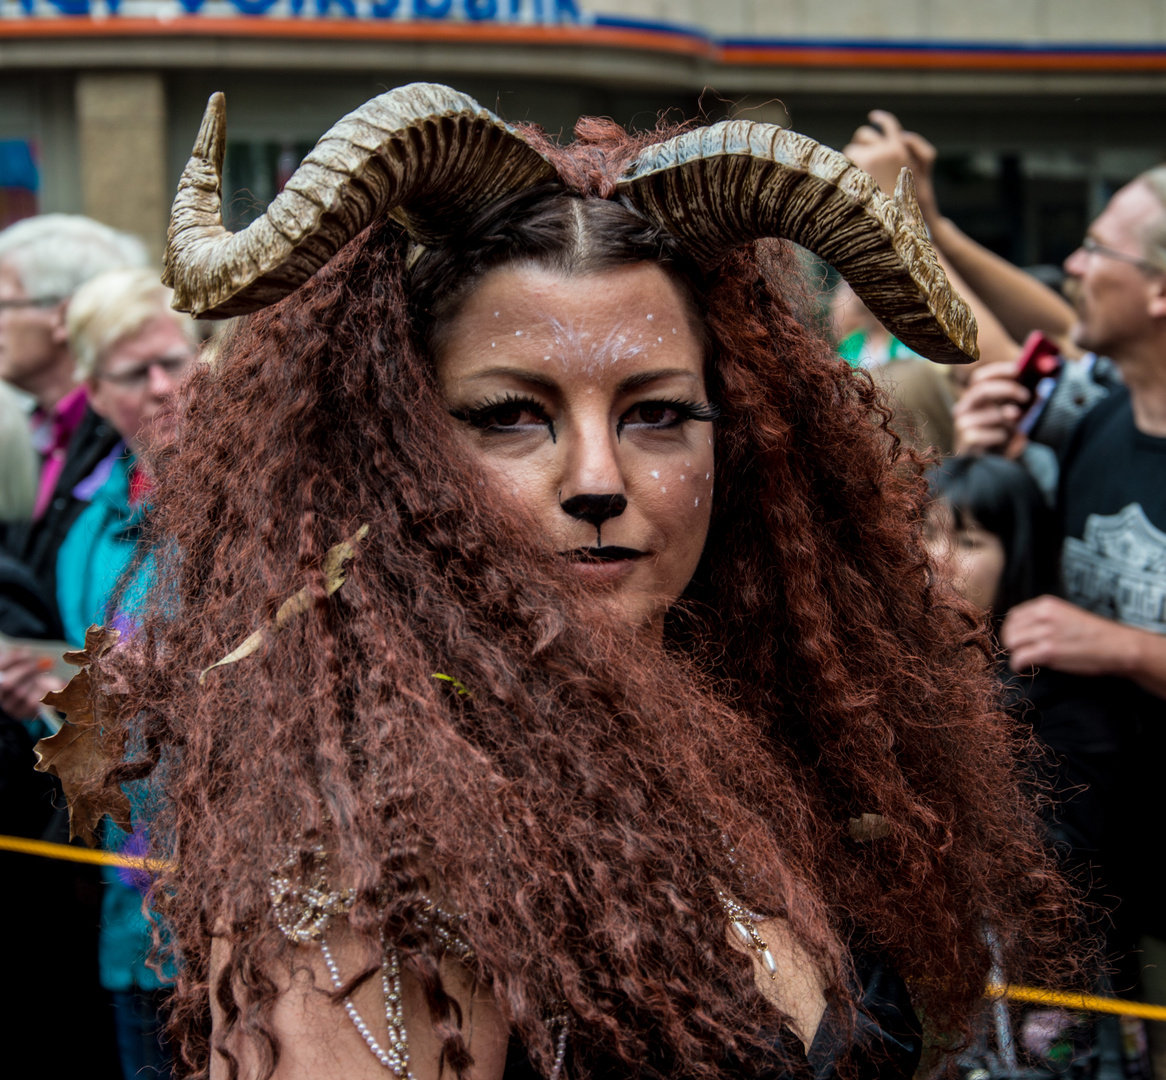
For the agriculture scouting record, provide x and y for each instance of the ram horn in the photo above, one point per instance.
(720, 186)
(423, 154)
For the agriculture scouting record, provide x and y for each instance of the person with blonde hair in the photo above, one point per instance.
(43, 262)
(132, 351)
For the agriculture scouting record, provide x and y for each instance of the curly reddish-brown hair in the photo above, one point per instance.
(583, 804)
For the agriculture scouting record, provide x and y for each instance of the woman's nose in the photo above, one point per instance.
(592, 488)
(595, 509)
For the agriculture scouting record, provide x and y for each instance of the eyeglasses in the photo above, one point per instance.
(136, 378)
(30, 302)
(1092, 247)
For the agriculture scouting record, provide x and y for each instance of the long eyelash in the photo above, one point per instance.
(480, 416)
(704, 411)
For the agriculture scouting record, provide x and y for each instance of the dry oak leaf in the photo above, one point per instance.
(79, 754)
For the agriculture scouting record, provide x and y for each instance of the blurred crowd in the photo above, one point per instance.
(1048, 517)
(90, 357)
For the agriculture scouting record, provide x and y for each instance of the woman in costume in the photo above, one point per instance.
(545, 674)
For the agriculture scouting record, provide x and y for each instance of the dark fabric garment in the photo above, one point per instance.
(1112, 511)
(50, 997)
(35, 544)
(25, 795)
(885, 1043)
(25, 610)
(1107, 735)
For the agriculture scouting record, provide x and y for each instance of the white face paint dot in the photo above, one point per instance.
(655, 474)
(682, 476)
(546, 357)
(497, 313)
(696, 501)
(688, 464)
(659, 339)
(493, 344)
(518, 333)
(663, 490)
(706, 476)
(674, 329)
(650, 318)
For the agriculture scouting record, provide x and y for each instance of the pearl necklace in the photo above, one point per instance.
(396, 1057)
(303, 910)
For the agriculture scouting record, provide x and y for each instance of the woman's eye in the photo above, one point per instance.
(514, 416)
(510, 415)
(653, 414)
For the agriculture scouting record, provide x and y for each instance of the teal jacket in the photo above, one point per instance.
(96, 552)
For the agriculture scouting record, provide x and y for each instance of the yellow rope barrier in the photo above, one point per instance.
(1076, 1000)
(79, 854)
(1029, 994)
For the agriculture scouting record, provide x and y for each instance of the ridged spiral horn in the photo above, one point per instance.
(423, 154)
(720, 186)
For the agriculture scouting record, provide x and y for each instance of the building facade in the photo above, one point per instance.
(1039, 107)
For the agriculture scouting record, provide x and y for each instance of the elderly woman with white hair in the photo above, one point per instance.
(132, 352)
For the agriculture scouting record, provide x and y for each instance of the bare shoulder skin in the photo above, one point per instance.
(317, 1040)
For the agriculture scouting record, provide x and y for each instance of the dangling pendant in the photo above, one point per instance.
(743, 925)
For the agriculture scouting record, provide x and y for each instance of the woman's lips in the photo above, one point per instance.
(604, 564)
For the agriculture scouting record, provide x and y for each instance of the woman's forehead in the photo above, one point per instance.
(641, 292)
(598, 324)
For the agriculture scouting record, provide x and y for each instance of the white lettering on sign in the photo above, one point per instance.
(507, 11)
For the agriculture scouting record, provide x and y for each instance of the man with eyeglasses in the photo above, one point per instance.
(43, 261)
(1101, 644)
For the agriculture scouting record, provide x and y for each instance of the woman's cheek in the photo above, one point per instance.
(682, 493)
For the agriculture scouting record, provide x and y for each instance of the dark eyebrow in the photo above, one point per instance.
(642, 378)
(521, 374)
(632, 382)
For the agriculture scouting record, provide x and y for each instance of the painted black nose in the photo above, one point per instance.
(595, 509)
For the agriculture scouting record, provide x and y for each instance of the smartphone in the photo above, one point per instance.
(1037, 371)
(1039, 359)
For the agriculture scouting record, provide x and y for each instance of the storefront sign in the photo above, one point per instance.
(497, 11)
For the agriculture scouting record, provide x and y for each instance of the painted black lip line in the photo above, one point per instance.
(607, 553)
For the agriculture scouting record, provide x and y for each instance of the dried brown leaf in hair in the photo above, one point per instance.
(81, 752)
(334, 559)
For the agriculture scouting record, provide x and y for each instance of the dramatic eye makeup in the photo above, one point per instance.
(665, 414)
(511, 413)
(519, 414)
